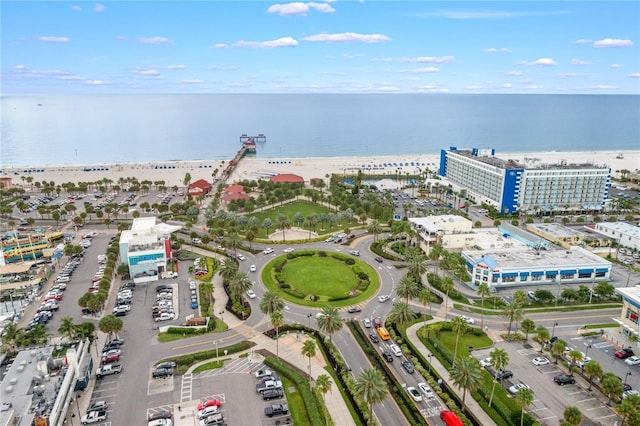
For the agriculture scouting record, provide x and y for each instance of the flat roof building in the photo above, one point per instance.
(629, 317)
(626, 235)
(528, 266)
(510, 186)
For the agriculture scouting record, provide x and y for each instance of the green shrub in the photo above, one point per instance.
(284, 285)
(363, 276)
(322, 253)
(349, 261)
(363, 285)
(278, 277)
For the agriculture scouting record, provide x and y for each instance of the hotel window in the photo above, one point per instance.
(536, 278)
(632, 316)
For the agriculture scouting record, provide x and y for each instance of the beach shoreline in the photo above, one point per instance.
(250, 168)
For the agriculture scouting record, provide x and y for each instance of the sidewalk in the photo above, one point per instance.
(472, 405)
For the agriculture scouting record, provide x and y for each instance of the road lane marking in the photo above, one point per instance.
(586, 400)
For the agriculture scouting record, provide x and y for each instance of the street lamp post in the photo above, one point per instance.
(586, 352)
(626, 376)
(553, 330)
(309, 318)
(221, 313)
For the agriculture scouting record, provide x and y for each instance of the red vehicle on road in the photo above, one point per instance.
(624, 353)
(450, 418)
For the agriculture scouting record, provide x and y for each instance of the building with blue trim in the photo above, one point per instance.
(527, 267)
(511, 187)
(146, 248)
(630, 315)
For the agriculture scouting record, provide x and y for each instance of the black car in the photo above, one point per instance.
(374, 338)
(504, 374)
(161, 288)
(387, 356)
(160, 415)
(378, 259)
(354, 309)
(129, 285)
(564, 379)
(111, 345)
(116, 341)
(162, 373)
(408, 366)
(167, 364)
(272, 394)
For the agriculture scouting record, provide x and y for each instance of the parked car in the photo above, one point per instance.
(261, 373)
(624, 353)
(633, 360)
(272, 394)
(504, 374)
(110, 358)
(414, 393)
(208, 403)
(486, 362)
(167, 364)
(207, 411)
(161, 373)
(540, 361)
(374, 338)
(515, 388)
(629, 392)
(564, 379)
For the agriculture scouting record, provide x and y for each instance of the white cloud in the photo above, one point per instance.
(473, 87)
(20, 67)
(122, 38)
(570, 74)
(351, 55)
(507, 85)
(583, 41)
(155, 40)
(534, 87)
(617, 66)
(147, 72)
(494, 49)
(299, 8)
(99, 7)
(422, 70)
(348, 38)
(419, 59)
(580, 62)
(602, 87)
(270, 44)
(76, 8)
(514, 73)
(53, 39)
(635, 75)
(612, 42)
(541, 62)
(70, 77)
(97, 82)
(193, 81)
(176, 67)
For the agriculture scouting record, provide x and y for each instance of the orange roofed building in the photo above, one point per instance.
(199, 187)
(287, 178)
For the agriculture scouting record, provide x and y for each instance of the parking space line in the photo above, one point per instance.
(586, 400)
(576, 392)
(550, 417)
(538, 409)
(595, 408)
(604, 417)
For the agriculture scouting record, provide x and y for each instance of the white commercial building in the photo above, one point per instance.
(624, 234)
(510, 186)
(630, 315)
(147, 248)
(451, 231)
(529, 266)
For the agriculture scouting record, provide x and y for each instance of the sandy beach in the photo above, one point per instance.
(251, 168)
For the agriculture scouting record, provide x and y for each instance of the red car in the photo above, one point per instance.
(209, 403)
(624, 353)
(52, 297)
(110, 358)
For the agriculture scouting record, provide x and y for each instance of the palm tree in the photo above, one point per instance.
(528, 326)
(330, 321)
(557, 349)
(483, 291)
(459, 326)
(10, 333)
(277, 321)
(407, 287)
(309, 350)
(629, 410)
(542, 336)
(68, 328)
(371, 387)
(239, 284)
(575, 356)
(512, 312)
(228, 269)
(323, 384)
(499, 360)
(592, 369)
(446, 285)
(425, 297)
(417, 265)
(374, 228)
(572, 416)
(38, 334)
(611, 385)
(401, 314)
(271, 302)
(467, 375)
(110, 324)
(282, 222)
(524, 398)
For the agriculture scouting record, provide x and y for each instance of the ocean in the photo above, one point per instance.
(40, 130)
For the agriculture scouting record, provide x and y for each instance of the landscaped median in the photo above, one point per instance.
(315, 278)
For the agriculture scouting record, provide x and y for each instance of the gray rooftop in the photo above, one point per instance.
(530, 258)
(560, 231)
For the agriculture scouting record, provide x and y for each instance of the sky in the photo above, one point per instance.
(537, 47)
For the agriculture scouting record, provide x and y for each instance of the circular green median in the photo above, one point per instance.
(318, 278)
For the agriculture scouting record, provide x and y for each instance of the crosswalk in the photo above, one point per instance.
(186, 387)
(233, 366)
(527, 352)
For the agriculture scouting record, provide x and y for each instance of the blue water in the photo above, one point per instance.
(100, 129)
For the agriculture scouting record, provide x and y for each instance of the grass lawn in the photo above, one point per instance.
(305, 208)
(297, 409)
(448, 339)
(209, 366)
(319, 275)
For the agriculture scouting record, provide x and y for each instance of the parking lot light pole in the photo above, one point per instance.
(309, 318)
(586, 352)
(553, 330)
(626, 376)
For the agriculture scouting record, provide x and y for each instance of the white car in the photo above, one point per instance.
(467, 319)
(515, 388)
(268, 250)
(165, 316)
(426, 390)
(633, 360)
(367, 322)
(262, 373)
(413, 392)
(383, 298)
(630, 392)
(288, 250)
(486, 362)
(207, 411)
(251, 294)
(253, 268)
(241, 256)
(540, 361)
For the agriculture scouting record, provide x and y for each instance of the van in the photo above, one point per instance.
(383, 333)
(395, 349)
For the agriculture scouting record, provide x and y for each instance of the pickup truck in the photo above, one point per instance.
(276, 409)
(94, 417)
(269, 384)
(108, 369)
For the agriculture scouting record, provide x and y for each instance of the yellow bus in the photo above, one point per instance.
(384, 334)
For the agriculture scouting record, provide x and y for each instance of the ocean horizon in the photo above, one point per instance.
(41, 130)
